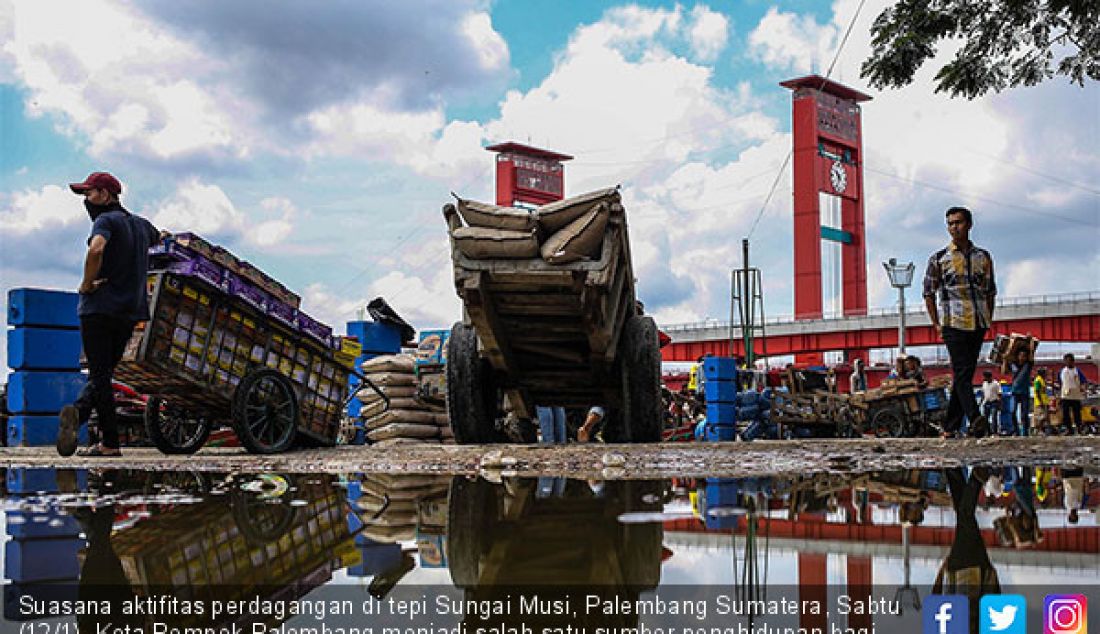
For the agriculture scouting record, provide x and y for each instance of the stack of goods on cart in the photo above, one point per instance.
(1005, 348)
(561, 232)
(408, 418)
(217, 316)
(390, 505)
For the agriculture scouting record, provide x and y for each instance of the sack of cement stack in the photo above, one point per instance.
(366, 394)
(495, 217)
(392, 378)
(580, 239)
(404, 430)
(398, 363)
(407, 416)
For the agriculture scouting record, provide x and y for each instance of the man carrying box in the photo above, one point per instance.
(112, 300)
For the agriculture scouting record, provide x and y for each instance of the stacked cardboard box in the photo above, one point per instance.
(1005, 348)
(44, 356)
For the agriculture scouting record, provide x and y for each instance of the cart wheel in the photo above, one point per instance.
(471, 396)
(888, 423)
(265, 412)
(471, 510)
(847, 427)
(639, 351)
(171, 431)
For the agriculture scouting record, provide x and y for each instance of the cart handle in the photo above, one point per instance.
(363, 380)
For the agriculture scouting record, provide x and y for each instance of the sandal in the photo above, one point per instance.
(99, 451)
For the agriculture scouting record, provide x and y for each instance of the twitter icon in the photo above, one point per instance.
(1003, 614)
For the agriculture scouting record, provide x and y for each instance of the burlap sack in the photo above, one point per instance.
(389, 363)
(493, 217)
(558, 214)
(389, 534)
(480, 243)
(374, 408)
(392, 416)
(579, 240)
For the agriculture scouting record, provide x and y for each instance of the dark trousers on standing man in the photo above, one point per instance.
(104, 338)
(963, 346)
(1071, 415)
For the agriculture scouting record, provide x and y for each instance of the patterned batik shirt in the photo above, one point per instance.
(962, 282)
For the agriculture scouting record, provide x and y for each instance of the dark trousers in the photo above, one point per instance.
(963, 346)
(1022, 404)
(104, 338)
(1071, 415)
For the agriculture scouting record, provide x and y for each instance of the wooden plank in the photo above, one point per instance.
(560, 353)
(486, 323)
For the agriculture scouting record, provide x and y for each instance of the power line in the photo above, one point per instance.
(1056, 179)
(790, 152)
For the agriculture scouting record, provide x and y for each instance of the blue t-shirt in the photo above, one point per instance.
(125, 266)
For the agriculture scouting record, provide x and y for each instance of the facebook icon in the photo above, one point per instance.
(946, 614)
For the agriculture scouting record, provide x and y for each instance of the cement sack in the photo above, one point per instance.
(403, 430)
(389, 363)
(376, 407)
(393, 494)
(579, 240)
(373, 505)
(558, 215)
(392, 416)
(412, 481)
(442, 419)
(493, 217)
(366, 395)
(392, 378)
(480, 243)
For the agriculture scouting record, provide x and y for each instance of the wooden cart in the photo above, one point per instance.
(542, 334)
(206, 358)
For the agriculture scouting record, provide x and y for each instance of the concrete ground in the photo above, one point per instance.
(609, 461)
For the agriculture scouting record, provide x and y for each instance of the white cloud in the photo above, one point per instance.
(491, 49)
(708, 32)
(792, 42)
(207, 210)
(50, 207)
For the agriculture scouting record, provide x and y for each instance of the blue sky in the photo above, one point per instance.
(320, 143)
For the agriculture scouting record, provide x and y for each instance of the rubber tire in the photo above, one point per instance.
(640, 355)
(240, 403)
(888, 423)
(471, 507)
(471, 394)
(166, 445)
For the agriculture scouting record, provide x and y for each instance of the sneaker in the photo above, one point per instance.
(66, 433)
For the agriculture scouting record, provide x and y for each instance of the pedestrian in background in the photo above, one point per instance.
(112, 301)
(1072, 393)
(551, 425)
(991, 399)
(857, 382)
(1021, 395)
(959, 294)
(1040, 420)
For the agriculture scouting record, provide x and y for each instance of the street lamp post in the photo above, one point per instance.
(901, 276)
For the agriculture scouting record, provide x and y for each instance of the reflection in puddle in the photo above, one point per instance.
(900, 536)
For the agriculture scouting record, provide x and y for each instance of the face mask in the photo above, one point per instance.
(94, 210)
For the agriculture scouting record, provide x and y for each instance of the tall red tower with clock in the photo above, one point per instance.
(828, 201)
(528, 175)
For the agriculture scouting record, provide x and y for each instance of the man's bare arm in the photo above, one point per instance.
(933, 312)
(93, 260)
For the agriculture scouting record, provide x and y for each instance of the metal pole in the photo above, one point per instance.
(747, 303)
(901, 322)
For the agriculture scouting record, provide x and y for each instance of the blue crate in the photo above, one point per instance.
(42, 559)
(719, 433)
(433, 347)
(41, 592)
(38, 431)
(31, 348)
(42, 392)
(722, 495)
(934, 399)
(721, 413)
(720, 391)
(41, 307)
(375, 337)
(23, 481)
(41, 525)
(719, 368)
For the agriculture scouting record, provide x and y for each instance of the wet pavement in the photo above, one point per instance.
(598, 460)
(382, 553)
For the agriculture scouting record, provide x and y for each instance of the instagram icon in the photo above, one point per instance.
(1065, 614)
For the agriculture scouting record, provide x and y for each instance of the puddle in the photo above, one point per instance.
(388, 554)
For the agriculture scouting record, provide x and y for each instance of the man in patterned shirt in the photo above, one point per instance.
(960, 277)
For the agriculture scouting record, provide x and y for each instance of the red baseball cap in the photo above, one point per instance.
(98, 180)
